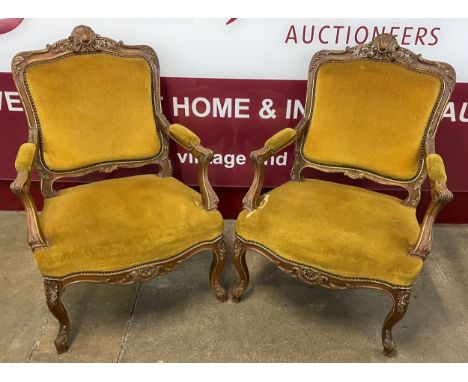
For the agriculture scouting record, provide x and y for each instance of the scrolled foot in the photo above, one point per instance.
(388, 343)
(236, 295)
(221, 293)
(61, 341)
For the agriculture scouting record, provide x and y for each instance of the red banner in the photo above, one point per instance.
(234, 117)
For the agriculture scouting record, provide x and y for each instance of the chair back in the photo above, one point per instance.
(93, 104)
(372, 111)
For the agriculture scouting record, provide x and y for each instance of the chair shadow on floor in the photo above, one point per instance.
(172, 292)
(361, 311)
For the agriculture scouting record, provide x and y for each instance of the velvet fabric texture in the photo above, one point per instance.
(93, 108)
(183, 136)
(372, 116)
(25, 157)
(116, 224)
(435, 168)
(344, 230)
(280, 139)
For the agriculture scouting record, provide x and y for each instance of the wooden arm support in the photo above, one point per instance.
(191, 142)
(20, 187)
(273, 145)
(441, 195)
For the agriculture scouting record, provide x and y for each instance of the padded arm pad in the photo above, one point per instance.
(25, 157)
(281, 139)
(435, 168)
(183, 136)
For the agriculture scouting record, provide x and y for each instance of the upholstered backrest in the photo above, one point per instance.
(371, 115)
(92, 108)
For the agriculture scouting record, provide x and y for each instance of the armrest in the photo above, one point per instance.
(441, 195)
(20, 187)
(191, 142)
(435, 168)
(280, 140)
(25, 157)
(276, 143)
(183, 136)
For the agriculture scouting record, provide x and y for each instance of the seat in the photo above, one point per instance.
(323, 225)
(372, 112)
(94, 105)
(123, 223)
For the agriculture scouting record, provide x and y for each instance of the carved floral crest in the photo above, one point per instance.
(84, 40)
(384, 46)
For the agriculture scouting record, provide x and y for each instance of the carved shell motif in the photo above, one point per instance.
(384, 46)
(315, 277)
(84, 40)
(146, 273)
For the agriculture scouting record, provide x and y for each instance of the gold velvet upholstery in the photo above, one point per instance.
(372, 116)
(93, 108)
(25, 157)
(371, 112)
(94, 104)
(343, 230)
(116, 224)
(183, 136)
(435, 168)
(280, 139)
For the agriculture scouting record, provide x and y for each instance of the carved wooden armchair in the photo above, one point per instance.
(93, 104)
(372, 111)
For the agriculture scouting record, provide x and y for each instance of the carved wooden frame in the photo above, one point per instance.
(54, 287)
(83, 40)
(384, 48)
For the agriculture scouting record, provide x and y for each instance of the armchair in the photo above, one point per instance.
(372, 112)
(93, 104)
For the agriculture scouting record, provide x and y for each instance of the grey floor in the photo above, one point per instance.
(176, 318)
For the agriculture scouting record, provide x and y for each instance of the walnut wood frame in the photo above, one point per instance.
(83, 40)
(384, 48)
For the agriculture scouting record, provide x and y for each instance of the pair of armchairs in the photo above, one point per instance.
(93, 104)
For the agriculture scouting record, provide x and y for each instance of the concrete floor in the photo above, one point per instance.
(176, 318)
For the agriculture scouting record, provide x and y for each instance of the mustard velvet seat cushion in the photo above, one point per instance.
(371, 115)
(343, 230)
(86, 100)
(120, 223)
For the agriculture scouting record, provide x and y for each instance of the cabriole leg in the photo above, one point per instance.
(400, 305)
(217, 265)
(239, 250)
(53, 291)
